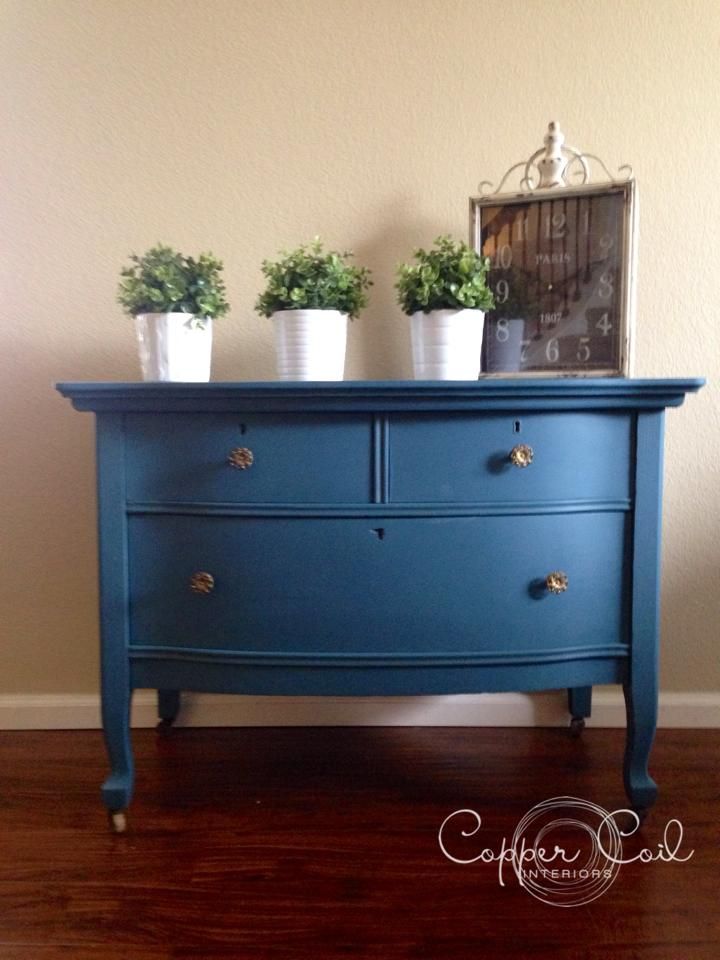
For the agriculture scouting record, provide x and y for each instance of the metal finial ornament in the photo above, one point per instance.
(553, 165)
(552, 161)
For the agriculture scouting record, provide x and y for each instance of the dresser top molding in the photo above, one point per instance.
(382, 395)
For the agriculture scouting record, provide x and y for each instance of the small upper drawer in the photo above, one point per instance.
(469, 457)
(248, 458)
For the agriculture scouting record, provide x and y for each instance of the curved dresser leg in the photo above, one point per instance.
(168, 708)
(118, 786)
(579, 707)
(115, 680)
(641, 680)
(641, 708)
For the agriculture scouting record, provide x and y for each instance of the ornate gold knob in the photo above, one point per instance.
(241, 458)
(557, 581)
(521, 455)
(202, 582)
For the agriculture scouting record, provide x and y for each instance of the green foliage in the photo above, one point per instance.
(309, 278)
(164, 281)
(451, 276)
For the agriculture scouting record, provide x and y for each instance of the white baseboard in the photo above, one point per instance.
(82, 711)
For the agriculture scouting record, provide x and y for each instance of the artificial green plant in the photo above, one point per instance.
(450, 276)
(311, 278)
(164, 281)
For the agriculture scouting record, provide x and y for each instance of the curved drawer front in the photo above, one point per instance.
(399, 586)
(469, 458)
(248, 458)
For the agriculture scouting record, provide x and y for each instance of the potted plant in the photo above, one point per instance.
(445, 294)
(174, 300)
(310, 295)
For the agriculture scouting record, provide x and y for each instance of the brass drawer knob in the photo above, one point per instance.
(557, 581)
(241, 458)
(202, 582)
(521, 455)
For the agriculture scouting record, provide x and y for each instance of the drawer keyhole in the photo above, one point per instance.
(379, 533)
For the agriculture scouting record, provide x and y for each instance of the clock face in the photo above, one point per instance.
(559, 274)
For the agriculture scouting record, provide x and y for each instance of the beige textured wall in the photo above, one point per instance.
(245, 126)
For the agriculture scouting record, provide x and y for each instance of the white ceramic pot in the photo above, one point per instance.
(446, 344)
(174, 346)
(310, 344)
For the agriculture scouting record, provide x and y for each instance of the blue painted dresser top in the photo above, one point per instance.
(384, 395)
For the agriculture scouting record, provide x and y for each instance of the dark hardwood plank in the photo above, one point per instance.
(322, 842)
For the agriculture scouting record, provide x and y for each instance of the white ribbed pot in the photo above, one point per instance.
(446, 344)
(310, 344)
(174, 346)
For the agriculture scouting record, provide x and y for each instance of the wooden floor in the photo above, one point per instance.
(322, 842)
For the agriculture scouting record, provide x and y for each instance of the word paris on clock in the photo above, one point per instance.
(561, 266)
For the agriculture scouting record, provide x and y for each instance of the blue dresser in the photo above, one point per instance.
(379, 538)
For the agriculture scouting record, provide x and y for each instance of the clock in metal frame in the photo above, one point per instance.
(562, 267)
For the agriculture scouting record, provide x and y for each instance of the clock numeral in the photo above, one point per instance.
(606, 244)
(502, 291)
(555, 226)
(502, 331)
(524, 344)
(605, 288)
(583, 351)
(604, 324)
(503, 257)
(521, 227)
(552, 350)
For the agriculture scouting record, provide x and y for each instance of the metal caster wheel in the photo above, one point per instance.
(118, 821)
(577, 725)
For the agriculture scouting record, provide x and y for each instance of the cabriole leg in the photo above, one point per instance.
(118, 787)
(579, 707)
(115, 683)
(168, 707)
(641, 681)
(641, 707)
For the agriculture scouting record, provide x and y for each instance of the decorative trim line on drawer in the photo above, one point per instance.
(434, 509)
(317, 659)
(81, 711)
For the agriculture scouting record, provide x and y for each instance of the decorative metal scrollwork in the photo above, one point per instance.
(552, 166)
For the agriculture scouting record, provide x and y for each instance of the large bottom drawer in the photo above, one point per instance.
(426, 586)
